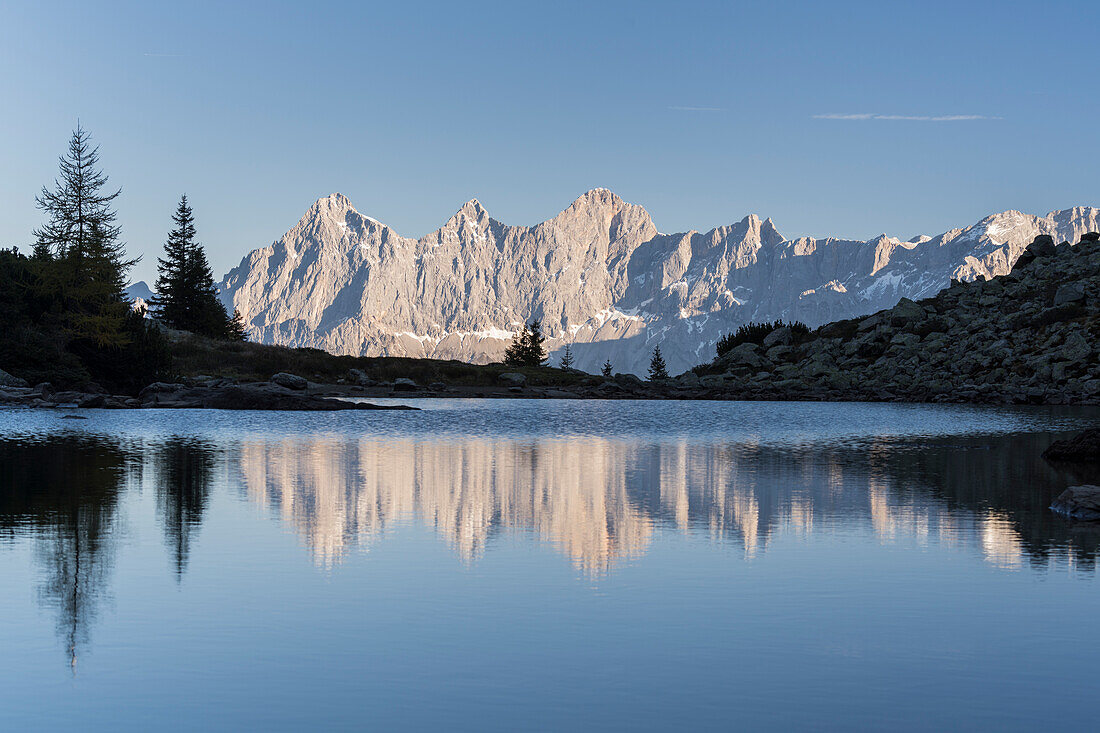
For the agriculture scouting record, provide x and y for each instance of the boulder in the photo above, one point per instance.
(782, 336)
(904, 313)
(1091, 237)
(358, 376)
(1077, 348)
(9, 380)
(1043, 246)
(629, 380)
(713, 381)
(1069, 293)
(290, 381)
(745, 354)
(1079, 502)
(512, 379)
(404, 384)
(1083, 447)
(160, 388)
(688, 379)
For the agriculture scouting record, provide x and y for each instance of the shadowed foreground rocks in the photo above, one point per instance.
(216, 395)
(1079, 502)
(1028, 337)
(1081, 448)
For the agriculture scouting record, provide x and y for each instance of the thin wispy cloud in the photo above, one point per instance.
(909, 118)
(697, 109)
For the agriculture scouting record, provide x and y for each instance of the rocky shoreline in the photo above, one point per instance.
(215, 394)
(1028, 337)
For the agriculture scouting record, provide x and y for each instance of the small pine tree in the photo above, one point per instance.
(534, 347)
(528, 347)
(234, 329)
(657, 369)
(567, 357)
(607, 368)
(514, 355)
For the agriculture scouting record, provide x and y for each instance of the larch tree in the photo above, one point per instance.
(83, 263)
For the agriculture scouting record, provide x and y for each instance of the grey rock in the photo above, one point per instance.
(404, 384)
(688, 379)
(290, 381)
(1079, 502)
(782, 336)
(157, 388)
(512, 379)
(1083, 447)
(744, 354)
(8, 380)
(1069, 293)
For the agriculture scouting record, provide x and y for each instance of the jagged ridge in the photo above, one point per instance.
(598, 274)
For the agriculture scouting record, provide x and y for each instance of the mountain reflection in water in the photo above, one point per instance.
(600, 502)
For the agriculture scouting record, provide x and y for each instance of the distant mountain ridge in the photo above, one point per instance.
(599, 275)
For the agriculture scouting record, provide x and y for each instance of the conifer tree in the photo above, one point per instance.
(79, 209)
(567, 357)
(534, 347)
(515, 353)
(607, 368)
(187, 297)
(235, 330)
(657, 369)
(528, 347)
(172, 302)
(83, 264)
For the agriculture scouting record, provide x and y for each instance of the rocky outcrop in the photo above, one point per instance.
(1026, 337)
(290, 381)
(214, 394)
(7, 380)
(1081, 448)
(1079, 502)
(599, 275)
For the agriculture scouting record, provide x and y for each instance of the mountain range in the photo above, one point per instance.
(599, 275)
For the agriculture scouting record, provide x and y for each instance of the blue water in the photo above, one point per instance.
(545, 565)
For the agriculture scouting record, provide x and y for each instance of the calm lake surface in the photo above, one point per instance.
(545, 565)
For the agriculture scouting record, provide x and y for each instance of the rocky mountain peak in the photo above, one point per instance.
(334, 204)
(598, 274)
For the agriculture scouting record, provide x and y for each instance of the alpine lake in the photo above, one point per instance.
(506, 565)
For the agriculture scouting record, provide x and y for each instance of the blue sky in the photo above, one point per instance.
(701, 112)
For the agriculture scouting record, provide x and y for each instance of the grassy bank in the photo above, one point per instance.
(195, 355)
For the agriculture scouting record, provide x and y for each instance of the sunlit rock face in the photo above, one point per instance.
(598, 275)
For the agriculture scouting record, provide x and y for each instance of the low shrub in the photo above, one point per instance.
(755, 333)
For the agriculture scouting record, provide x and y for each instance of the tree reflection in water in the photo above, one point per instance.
(182, 468)
(67, 489)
